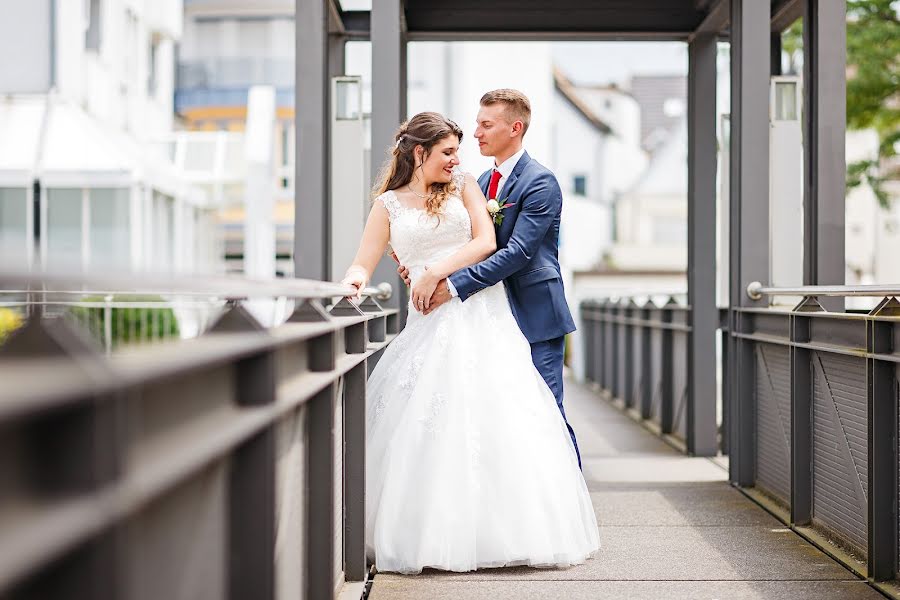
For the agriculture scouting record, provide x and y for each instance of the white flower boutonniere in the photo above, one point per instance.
(495, 209)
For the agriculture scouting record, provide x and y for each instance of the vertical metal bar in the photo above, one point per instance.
(355, 473)
(749, 210)
(775, 54)
(883, 467)
(251, 518)
(646, 366)
(319, 574)
(702, 434)
(388, 109)
(824, 130)
(312, 92)
(628, 355)
(801, 422)
(251, 507)
(615, 352)
(667, 401)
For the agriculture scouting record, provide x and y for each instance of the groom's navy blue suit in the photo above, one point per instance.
(527, 260)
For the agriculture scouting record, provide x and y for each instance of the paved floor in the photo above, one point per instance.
(670, 527)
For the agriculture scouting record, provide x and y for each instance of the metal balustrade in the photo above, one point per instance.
(231, 464)
(810, 406)
(637, 355)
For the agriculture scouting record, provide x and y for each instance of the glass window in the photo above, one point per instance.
(163, 231)
(785, 101)
(64, 227)
(110, 231)
(92, 36)
(579, 185)
(13, 226)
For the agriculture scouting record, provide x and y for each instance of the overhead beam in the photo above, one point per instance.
(716, 20)
(784, 13)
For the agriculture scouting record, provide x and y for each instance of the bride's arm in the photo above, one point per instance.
(483, 244)
(374, 241)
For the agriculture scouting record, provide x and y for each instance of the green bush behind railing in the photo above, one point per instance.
(128, 324)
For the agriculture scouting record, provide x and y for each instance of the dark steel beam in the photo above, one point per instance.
(702, 435)
(824, 130)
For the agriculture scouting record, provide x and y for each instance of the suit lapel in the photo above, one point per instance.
(510, 183)
(483, 182)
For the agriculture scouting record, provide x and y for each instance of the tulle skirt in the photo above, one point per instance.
(469, 462)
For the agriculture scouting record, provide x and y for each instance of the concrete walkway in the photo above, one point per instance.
(671, 527)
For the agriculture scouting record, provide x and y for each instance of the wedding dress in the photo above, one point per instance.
(469, 462)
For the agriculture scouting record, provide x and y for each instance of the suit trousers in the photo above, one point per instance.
(548, 359)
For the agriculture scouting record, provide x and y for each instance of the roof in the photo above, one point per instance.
(651, 93)
(569, 92)
(666, 175)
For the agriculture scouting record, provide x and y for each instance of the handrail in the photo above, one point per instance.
(756, 290)
(228, 288)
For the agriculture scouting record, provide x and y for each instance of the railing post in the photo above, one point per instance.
(667, 402)
(319, 491)
(601, 343)
(355, 473)
(646, 366)
(627, 390)
(883, 438)
(801, 469)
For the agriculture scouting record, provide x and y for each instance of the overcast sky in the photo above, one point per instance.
(591, 63)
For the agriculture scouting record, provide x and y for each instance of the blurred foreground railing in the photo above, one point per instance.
(230, 464)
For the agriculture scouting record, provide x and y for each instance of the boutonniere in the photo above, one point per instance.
(495, 209)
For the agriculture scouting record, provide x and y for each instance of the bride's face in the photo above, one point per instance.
(438, 166)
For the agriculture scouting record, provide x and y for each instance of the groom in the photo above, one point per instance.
(527, 239)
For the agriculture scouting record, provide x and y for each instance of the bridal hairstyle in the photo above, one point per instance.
(515, 103)
(425, 129)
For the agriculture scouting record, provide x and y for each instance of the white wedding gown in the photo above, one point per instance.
(469, 462)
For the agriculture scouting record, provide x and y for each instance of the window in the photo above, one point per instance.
(152, 82)
(64, 227)
(579, 184)
(93, 35)
(13, 225)
(110, 231)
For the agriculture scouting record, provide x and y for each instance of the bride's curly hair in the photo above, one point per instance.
(425, 129)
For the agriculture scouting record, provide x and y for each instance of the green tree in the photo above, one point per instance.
(873, 86)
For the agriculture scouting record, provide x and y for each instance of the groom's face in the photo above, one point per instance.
(494, 132)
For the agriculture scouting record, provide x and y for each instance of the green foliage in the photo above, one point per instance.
(129, 325)
(873, 85)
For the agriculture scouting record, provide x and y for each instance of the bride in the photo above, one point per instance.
(469, 461)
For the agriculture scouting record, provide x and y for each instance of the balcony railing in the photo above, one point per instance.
(228, 464)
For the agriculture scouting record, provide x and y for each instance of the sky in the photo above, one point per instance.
(592, 63)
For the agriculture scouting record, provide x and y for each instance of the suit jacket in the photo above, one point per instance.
(527, 257)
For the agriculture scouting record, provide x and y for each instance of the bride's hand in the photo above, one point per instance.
(357, 279)
(424, 288)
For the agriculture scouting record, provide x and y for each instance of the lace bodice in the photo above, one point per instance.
(419, 239)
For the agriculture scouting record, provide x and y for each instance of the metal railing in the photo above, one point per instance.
(815, 433)
(229, 464)
(637, 355)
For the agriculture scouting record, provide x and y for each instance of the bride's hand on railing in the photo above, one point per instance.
(424, 288)
(356, 277)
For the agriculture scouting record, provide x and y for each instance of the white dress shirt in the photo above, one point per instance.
(506, 169)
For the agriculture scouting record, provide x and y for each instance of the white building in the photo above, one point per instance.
(80, 184)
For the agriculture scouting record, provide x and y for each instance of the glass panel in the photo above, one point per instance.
(347, 101)
(13, 226)
(110, 228)
(786, 101)
(163, 231)
(63, 227)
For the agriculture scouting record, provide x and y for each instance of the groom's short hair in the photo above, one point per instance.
(517, 106)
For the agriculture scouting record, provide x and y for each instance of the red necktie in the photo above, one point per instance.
(492, 187)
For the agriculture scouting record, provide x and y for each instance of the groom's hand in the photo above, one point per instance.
(440, 296)
(401, 270)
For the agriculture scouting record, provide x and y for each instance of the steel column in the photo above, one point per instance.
(702, 434)
(749, 210)
(388, 110)
(312, 97)
(824, 132)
